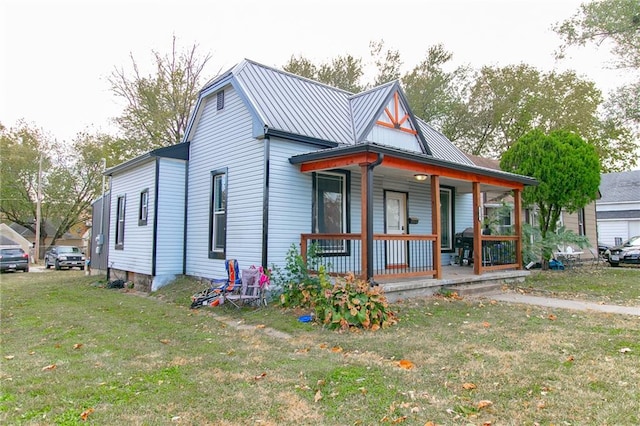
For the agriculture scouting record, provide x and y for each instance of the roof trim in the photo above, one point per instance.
(408, 155)
(178, 151)
(299, 138)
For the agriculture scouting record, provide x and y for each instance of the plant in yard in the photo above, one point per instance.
(352, 302)
(534, 246)
(300, 283)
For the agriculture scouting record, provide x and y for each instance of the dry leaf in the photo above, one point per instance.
(487, 423)
(323, 346)
(429, 423)
(469, 386)
(165, 341)
(86, 413)
(77, 346)
(336, 349)
(318, 396)
(570, 358)
(552, 317)
(261, 376)
(541, 405)
(9, 357)
(484, 404)
(260, 326)
(406, 364)
(625, 350)
(49, 367)
(363, 390)
(398, 420)
(486, 324)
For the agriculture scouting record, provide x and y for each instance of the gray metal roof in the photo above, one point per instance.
(620, 187)
(619, 214)
(294, 105)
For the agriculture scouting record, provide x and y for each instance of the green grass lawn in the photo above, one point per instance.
(70, 346)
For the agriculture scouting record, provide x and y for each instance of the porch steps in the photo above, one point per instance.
(463, 284)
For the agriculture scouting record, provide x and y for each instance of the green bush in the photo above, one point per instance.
(353, 302)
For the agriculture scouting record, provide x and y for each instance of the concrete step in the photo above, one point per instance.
(476, 289)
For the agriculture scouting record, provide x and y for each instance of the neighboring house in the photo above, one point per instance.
(583, 222)
(271, 160)
(11, 238)
(71, 238)
(618, 211)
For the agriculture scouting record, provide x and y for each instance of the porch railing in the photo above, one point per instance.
(396, 256)
(499, 252)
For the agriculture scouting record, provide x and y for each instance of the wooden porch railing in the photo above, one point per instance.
(394, 256)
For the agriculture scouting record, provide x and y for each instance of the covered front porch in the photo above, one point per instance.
(390, 243)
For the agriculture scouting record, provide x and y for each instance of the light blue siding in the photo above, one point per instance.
(392, 137)
(223, 140)
(170, 229)
(138, 240)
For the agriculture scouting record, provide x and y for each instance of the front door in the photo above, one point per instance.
(396, 224)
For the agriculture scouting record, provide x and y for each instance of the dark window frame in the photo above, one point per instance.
(121, 210)
(215, 251)
(452, 222)
(143, 209)
(346, 213)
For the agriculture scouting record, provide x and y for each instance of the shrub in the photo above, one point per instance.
(354, 303)
(298, 285)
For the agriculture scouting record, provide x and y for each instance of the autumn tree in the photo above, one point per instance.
(566, 167)
(71, 177)
(158, 105)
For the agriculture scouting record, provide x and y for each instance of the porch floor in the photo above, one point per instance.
(455, 278)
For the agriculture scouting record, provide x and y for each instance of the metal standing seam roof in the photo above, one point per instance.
(300, 106)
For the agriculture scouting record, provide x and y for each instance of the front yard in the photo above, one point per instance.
(72, 349)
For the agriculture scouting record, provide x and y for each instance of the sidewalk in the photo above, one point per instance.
(564, 303)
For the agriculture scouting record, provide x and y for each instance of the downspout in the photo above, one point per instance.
(186, 206)
(154, 240)
(265, 201)
(370, 168)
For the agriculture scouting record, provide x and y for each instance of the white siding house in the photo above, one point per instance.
(618, 210)
(276, 160)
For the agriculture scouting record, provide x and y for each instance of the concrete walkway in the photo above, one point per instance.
(564, 303)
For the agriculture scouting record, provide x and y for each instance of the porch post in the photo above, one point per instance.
(436, 226)
(477, 230)
(364, 222)
(517, 206)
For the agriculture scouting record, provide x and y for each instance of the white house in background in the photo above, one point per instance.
(618, 210)
(271, 159)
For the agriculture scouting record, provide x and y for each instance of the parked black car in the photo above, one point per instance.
(64, 257)
(626, 253)
(13, 259)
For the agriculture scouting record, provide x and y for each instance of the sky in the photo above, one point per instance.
(56, 56)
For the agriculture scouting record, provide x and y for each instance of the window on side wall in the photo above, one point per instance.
(143, 209)
(331, 210)
(120, 217)
(446, 219)
(218, 215)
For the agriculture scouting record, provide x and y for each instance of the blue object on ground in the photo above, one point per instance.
(305, 318)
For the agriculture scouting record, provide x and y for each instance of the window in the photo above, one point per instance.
(220, 100)
(120, 223)
(582, 230)
(144, 207)
(218, 215)
(330, 212)
(446, 218)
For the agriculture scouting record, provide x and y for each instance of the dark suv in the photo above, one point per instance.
(64, 257)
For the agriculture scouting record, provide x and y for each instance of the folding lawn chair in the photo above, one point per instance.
(215, 294)
(251, 290)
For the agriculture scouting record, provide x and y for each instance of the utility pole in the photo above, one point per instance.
(38, 202)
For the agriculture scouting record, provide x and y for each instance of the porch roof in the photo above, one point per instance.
(392, 157)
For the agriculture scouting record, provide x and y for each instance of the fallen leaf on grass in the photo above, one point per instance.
(552, 317)
(165, 341)
(541, 405)
(625, 350)
(9, 357)
(570, 358)
(469, 386)
(484, 404)
(318, 396)
(49, 367)
(261, 376)
(77, 346)
(399, 420)
(86, 414)
(486, 324)
(336, 349)
(406, 364)
(261, 326)
(323, 346)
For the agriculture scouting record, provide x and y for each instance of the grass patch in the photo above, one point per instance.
(618, 286)
(136, 359)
